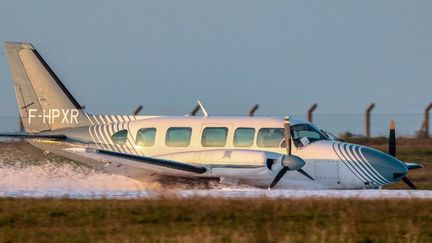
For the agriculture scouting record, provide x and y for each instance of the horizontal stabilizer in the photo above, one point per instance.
(413, 166)
(153, 161)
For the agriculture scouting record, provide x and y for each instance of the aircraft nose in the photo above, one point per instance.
(388, 166)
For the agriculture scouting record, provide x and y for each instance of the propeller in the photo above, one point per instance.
(289, 161)
(392, 151)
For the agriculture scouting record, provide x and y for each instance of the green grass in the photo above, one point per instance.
(216, 220)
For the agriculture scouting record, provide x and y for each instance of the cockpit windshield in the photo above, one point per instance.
(304, 134)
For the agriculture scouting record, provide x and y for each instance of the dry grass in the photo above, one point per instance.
(216, 220)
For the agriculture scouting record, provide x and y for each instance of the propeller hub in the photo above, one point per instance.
(292, 162)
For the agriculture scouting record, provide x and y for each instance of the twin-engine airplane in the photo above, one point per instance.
(246, 150)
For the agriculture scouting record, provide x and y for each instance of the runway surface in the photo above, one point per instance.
(213, 193)
(26, 172)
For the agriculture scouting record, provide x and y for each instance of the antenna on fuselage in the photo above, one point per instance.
(204, 111)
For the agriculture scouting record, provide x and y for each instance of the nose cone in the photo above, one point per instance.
(388, 166)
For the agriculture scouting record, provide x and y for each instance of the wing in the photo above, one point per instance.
(159, 166)
(34, 136)
(156, 162)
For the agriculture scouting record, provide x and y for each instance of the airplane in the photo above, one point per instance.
(264, 152)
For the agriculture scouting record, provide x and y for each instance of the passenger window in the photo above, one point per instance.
(244, 137)
(270, 137)
(214, 137)
(146, 137)
(178, 137)
(120, 137)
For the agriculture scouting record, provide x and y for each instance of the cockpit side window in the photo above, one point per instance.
(120, 137)
(304, 134)
(270, 137)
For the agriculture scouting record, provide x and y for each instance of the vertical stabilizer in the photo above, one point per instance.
(44, 102)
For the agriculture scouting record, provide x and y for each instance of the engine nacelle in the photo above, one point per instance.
(225, 157)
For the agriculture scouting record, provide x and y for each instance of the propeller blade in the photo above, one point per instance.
(392, 139)
(409, 183)
(392, 152)
(305, 174)
(279, 176)
(287, 134)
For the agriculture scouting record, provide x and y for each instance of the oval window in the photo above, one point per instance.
(244, 137)
(146, 137)
(214, 137)
(120, 137)
(178, 137)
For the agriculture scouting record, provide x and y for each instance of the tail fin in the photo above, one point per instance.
(44, 102)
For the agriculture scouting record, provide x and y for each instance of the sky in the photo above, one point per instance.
(283, 55)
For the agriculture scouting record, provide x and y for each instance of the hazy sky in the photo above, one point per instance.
(284, 55)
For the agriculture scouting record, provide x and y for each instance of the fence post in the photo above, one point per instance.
(252, 111)
(310, 112)
(137, 110)
(367, 119)
(424, 130)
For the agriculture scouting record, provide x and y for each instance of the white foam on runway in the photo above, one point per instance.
(220, 193)
(51, 175)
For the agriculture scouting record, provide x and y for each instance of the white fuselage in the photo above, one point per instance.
(248, 163)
